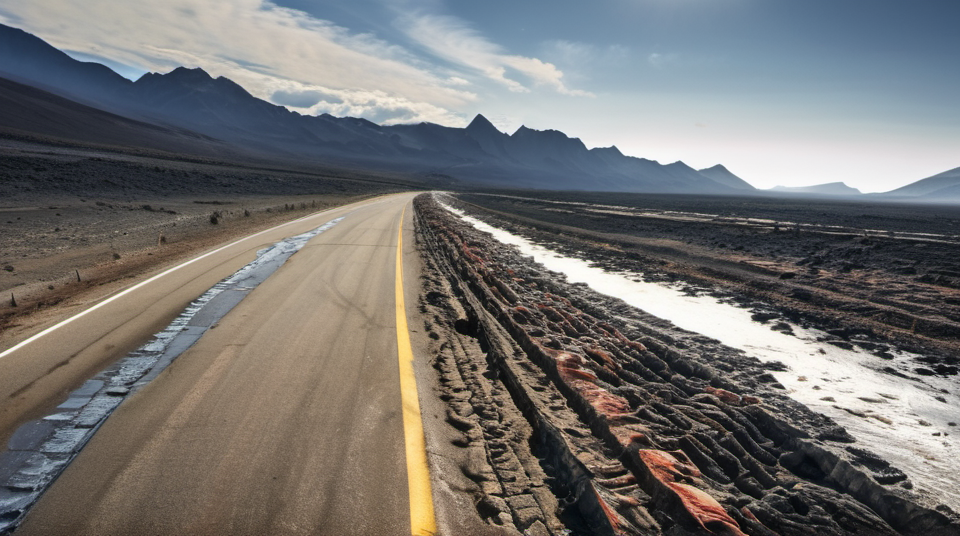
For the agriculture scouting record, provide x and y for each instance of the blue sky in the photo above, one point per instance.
(792, 93)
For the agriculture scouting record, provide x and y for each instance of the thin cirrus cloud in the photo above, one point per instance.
(659, 60)
(587, 61)
(269, 49)
(455, 41)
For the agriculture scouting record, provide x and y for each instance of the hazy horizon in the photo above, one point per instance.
(862, 92)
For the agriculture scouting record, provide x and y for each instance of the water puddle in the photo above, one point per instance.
(906, 420)
(701, 217)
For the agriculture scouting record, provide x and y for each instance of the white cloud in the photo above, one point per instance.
(580, 55)
(375, 105)
(453, 40)
(276, 51)
(262, 46)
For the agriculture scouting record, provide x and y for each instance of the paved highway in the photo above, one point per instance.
(297, 414)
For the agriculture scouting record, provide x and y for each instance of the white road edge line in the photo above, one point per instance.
(124, 292)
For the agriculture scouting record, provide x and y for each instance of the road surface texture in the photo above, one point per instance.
(287, 418)
(386, 381)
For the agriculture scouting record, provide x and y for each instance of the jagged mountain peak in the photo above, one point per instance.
(680, 164)
(195, 79)
(482, 124)
(185, 75)
(195, 72)
(524, 131)
(718, 167)
(220, 108)
(179, 74)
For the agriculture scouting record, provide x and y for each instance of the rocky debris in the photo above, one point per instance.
(847, 279)
(640, 428)
(512, 488)
(480, 370)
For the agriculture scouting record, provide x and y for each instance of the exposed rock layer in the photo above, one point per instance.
(640, 429)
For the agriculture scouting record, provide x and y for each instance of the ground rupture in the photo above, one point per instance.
(579, 415)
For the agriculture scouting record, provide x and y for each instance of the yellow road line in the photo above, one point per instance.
(422, 521)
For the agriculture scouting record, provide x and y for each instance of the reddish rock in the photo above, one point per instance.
(605, 402)
(706, 510)
(601, 357)
(569, 367)
(666, 467)
(677, 476)
(571, 374)
(724, 395)
(616, 523)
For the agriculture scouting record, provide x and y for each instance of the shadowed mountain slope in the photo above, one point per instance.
(945, 186)
(30, 110)
(219, 108)
(723, 175)
(26, 58)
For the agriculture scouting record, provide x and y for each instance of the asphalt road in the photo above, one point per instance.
(284, 419)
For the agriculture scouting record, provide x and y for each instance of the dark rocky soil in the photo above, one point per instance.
(69, 213)
(865, 272)
(30, 171)
(581, 414)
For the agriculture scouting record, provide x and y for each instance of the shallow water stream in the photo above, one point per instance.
(906, 421)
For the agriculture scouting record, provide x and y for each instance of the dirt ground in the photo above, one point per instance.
(72, 220)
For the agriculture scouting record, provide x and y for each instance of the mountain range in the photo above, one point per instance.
(830, 188)
(189, 111)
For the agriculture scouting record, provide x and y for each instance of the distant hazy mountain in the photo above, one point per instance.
(830, 188)
(725, 177)
(943, 186)
(479, 153)
(549, 159)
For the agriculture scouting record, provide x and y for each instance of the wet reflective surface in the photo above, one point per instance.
(891, 411)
